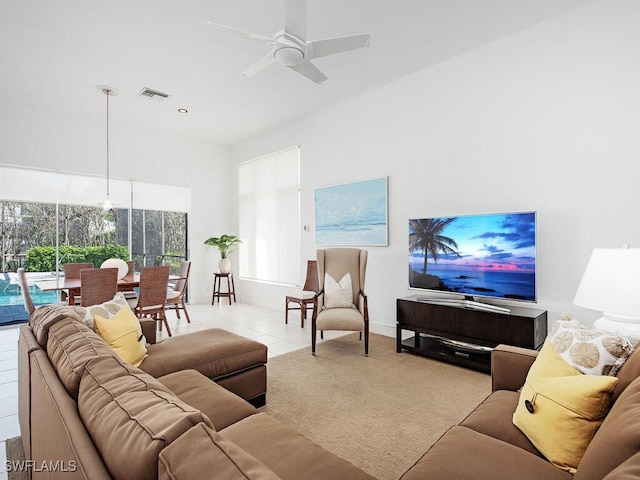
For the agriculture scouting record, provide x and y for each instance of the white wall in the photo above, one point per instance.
(69, 142)
(546, 119)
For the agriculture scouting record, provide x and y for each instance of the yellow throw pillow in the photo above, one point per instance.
(123, 333)
(560, 409)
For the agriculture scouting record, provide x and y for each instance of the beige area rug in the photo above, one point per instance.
(381, 412)
(15, 453)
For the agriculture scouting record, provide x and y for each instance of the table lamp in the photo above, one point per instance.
(611, 284)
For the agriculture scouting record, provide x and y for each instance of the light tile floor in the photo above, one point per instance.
(264, 325)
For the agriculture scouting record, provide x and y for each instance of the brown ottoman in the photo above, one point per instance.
(235, 362)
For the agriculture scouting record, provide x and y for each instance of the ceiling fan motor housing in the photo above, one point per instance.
(288, 56)
(287, 49)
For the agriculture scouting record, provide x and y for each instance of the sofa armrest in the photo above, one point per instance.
(149, 329)
(509, 367)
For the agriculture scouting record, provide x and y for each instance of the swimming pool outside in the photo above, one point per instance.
(11, 304)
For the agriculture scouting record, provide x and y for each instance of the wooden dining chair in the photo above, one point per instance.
(176, 295)
(304, 300)
(72, 270)
(153, 294)
(24, 290)
(26, 293)
(97, 285)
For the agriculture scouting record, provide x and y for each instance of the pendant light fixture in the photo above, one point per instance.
(108, 92)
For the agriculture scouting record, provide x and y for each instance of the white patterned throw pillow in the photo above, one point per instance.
(338, 294)
(589, 350)
(105, 310)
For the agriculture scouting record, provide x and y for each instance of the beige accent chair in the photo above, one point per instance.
(355, 317)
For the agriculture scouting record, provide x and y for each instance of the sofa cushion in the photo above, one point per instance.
(286, 452)
(70, 346)
(560, 409)
(131, 416)
(589, 350)
(214, 352)
(220, 405)
(629, 470)
(464, 454)
(618, 438)
(509, 366)
(105, 310)
(628, 373)
(123, 333)
(340, 319)
(201, 452)
(46, 316)
(494, 417)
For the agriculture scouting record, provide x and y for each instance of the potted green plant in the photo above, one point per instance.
(224, 243)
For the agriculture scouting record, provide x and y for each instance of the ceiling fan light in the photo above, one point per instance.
(288, 56)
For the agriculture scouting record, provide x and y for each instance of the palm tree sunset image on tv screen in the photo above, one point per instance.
(492, 255)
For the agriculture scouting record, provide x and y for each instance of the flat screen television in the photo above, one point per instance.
(486, 256)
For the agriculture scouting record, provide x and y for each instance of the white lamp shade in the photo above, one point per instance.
(118, 263)
(611, 283)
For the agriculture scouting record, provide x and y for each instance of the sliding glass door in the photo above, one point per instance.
(158, 238)
(63, 222)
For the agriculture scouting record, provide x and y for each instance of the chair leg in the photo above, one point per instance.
(313, 337)
(186, 312)
(366, 339)
(163, 319)
(303, 314)
(286, 312)
(177, 309)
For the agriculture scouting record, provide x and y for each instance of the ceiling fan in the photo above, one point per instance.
(290, 48)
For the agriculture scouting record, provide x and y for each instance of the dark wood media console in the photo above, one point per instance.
(465, 336)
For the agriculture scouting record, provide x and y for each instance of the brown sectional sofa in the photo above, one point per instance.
(487, 444)
(82, 406)
(86, 414)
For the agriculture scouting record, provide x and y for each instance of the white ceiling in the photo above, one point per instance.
(53, 54)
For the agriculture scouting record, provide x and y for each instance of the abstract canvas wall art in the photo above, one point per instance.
(352, 213)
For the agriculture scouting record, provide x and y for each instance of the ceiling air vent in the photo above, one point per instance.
(153, 94)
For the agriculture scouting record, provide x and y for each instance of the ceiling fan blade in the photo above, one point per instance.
(309, 70)
(264, 62)
(321, 48)
(296, 20)
(241, 33)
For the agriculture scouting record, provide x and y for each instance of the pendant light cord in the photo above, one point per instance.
(107, 93)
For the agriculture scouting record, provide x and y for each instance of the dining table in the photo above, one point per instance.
(72, 285)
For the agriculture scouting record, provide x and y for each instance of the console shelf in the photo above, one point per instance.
(465, 336)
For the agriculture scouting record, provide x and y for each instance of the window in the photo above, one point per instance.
(61, 220)
(269, 217)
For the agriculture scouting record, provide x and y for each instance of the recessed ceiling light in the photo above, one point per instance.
(183, 110)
